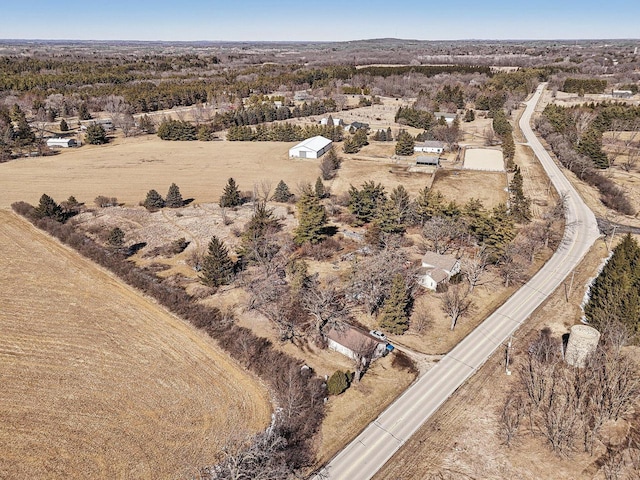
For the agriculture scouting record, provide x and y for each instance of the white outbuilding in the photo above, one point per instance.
(430, 146)
(313, 147)
(58, 142)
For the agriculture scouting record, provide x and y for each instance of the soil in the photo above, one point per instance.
(100, 382)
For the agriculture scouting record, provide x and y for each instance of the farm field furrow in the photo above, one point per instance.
(99, 382)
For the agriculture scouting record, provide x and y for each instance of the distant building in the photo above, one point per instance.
(106, 123)
(337, 122)
(448, 117)
(428, 160)
(353, 343)
(430, 146)
(437, 269)
(58, 142)
(301, 96)
(313, 147)
(621, 93)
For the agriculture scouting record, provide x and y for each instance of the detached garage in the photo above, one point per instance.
(313, 147)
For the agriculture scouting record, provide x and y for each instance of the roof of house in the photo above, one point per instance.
(316, 143)
(438, 275)
(430, 144)
(445, 115)
(436, 260)
(352, 337)
(359, 125)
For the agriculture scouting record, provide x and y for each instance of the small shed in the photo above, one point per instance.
(428, 160)
(622, 94)
(313, 147)
(58, 142)
(430, 146)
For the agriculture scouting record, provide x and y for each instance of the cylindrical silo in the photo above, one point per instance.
(583, 341)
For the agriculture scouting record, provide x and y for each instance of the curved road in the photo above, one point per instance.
(377, 443)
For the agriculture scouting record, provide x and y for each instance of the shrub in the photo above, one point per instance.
(338, 383)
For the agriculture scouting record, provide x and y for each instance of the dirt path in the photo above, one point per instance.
(100, 382)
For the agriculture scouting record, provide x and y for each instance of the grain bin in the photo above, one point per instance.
(583, 341)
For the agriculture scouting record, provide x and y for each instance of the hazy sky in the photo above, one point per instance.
(319, 20)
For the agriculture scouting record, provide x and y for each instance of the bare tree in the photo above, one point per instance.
(456, 303)
(630, 160)
(511, 266)
(363, 353)
(421, 317)
(443, 233)
(474, 267)
(326, 304)
(511, 416)
(489, 136)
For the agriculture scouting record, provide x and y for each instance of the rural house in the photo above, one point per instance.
(355, 343)
(437, 269)
(57, 142)
(430, 146)
(313, 147)
(621, 93)
(448, 117)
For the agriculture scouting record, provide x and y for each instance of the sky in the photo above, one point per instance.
(326, 20)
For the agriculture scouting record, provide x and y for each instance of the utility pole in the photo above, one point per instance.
(568, 293)
(507, 371)
(613, 232)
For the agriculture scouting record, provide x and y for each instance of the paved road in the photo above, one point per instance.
(377, 443)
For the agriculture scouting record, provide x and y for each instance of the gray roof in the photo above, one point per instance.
(429, 160)
(435, 260)
(445, 115)
(430, 144)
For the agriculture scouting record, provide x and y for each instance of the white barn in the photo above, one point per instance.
(313, 147)
(58, 142)
(430, 146)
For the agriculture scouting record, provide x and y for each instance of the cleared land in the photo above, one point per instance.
(461, 186)
(98, 382)
(487, 159)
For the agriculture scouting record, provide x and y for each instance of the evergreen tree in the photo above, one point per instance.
(429, 204)
(174, 197)
(508, 150)
(319, 188)
(389, 136)
(332, 156)
(312, 218)
(591, 145)
(146, 124)
(83, 112)
(404, 144)
(217, 267)
(96, 135)
(401, 201)
(614, 296)
(22, 133)
(364, 203)
(350, 145)
(258, 241)
(47, 207)
(469, 116)
(64, 127)
(231, 196)
(337, 383)
(282, 193)
(116, 238)
(394, 316)
(153, 201)
(388, 218)
(519, 204)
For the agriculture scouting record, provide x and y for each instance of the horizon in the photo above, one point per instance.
(332, 21)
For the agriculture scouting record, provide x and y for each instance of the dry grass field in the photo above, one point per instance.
(99, 382)
(462, 185)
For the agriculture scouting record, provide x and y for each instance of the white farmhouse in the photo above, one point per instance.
(337, 122)
(430, 146)
(313, 147)
(58, 142)
(437, 269)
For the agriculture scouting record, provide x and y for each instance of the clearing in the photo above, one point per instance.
(488, 159)
(462, 185)
(99, 382)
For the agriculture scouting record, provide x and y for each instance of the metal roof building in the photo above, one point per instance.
(313, 147)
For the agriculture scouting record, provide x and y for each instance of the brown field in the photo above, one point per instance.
(99, 382)
(461, 186)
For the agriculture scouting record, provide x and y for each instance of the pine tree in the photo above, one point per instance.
(258, 242)
(154, 200)
(401, 201)
(388, 218)
(231, 196)
(404, 144)
(174, 197)
(47, 207)
(319, 188)
(364, 203)
(389, 136)
(116, 238)
(394, 316)
(146, 124)
(217, 267)
(520, 205)
(96, 135)
(312, 218)
(469, 116)
(591, 145)
(282, 193)
(83, 112)
(64, 127)
(22, 134)
(429, 204)
(337, 383)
